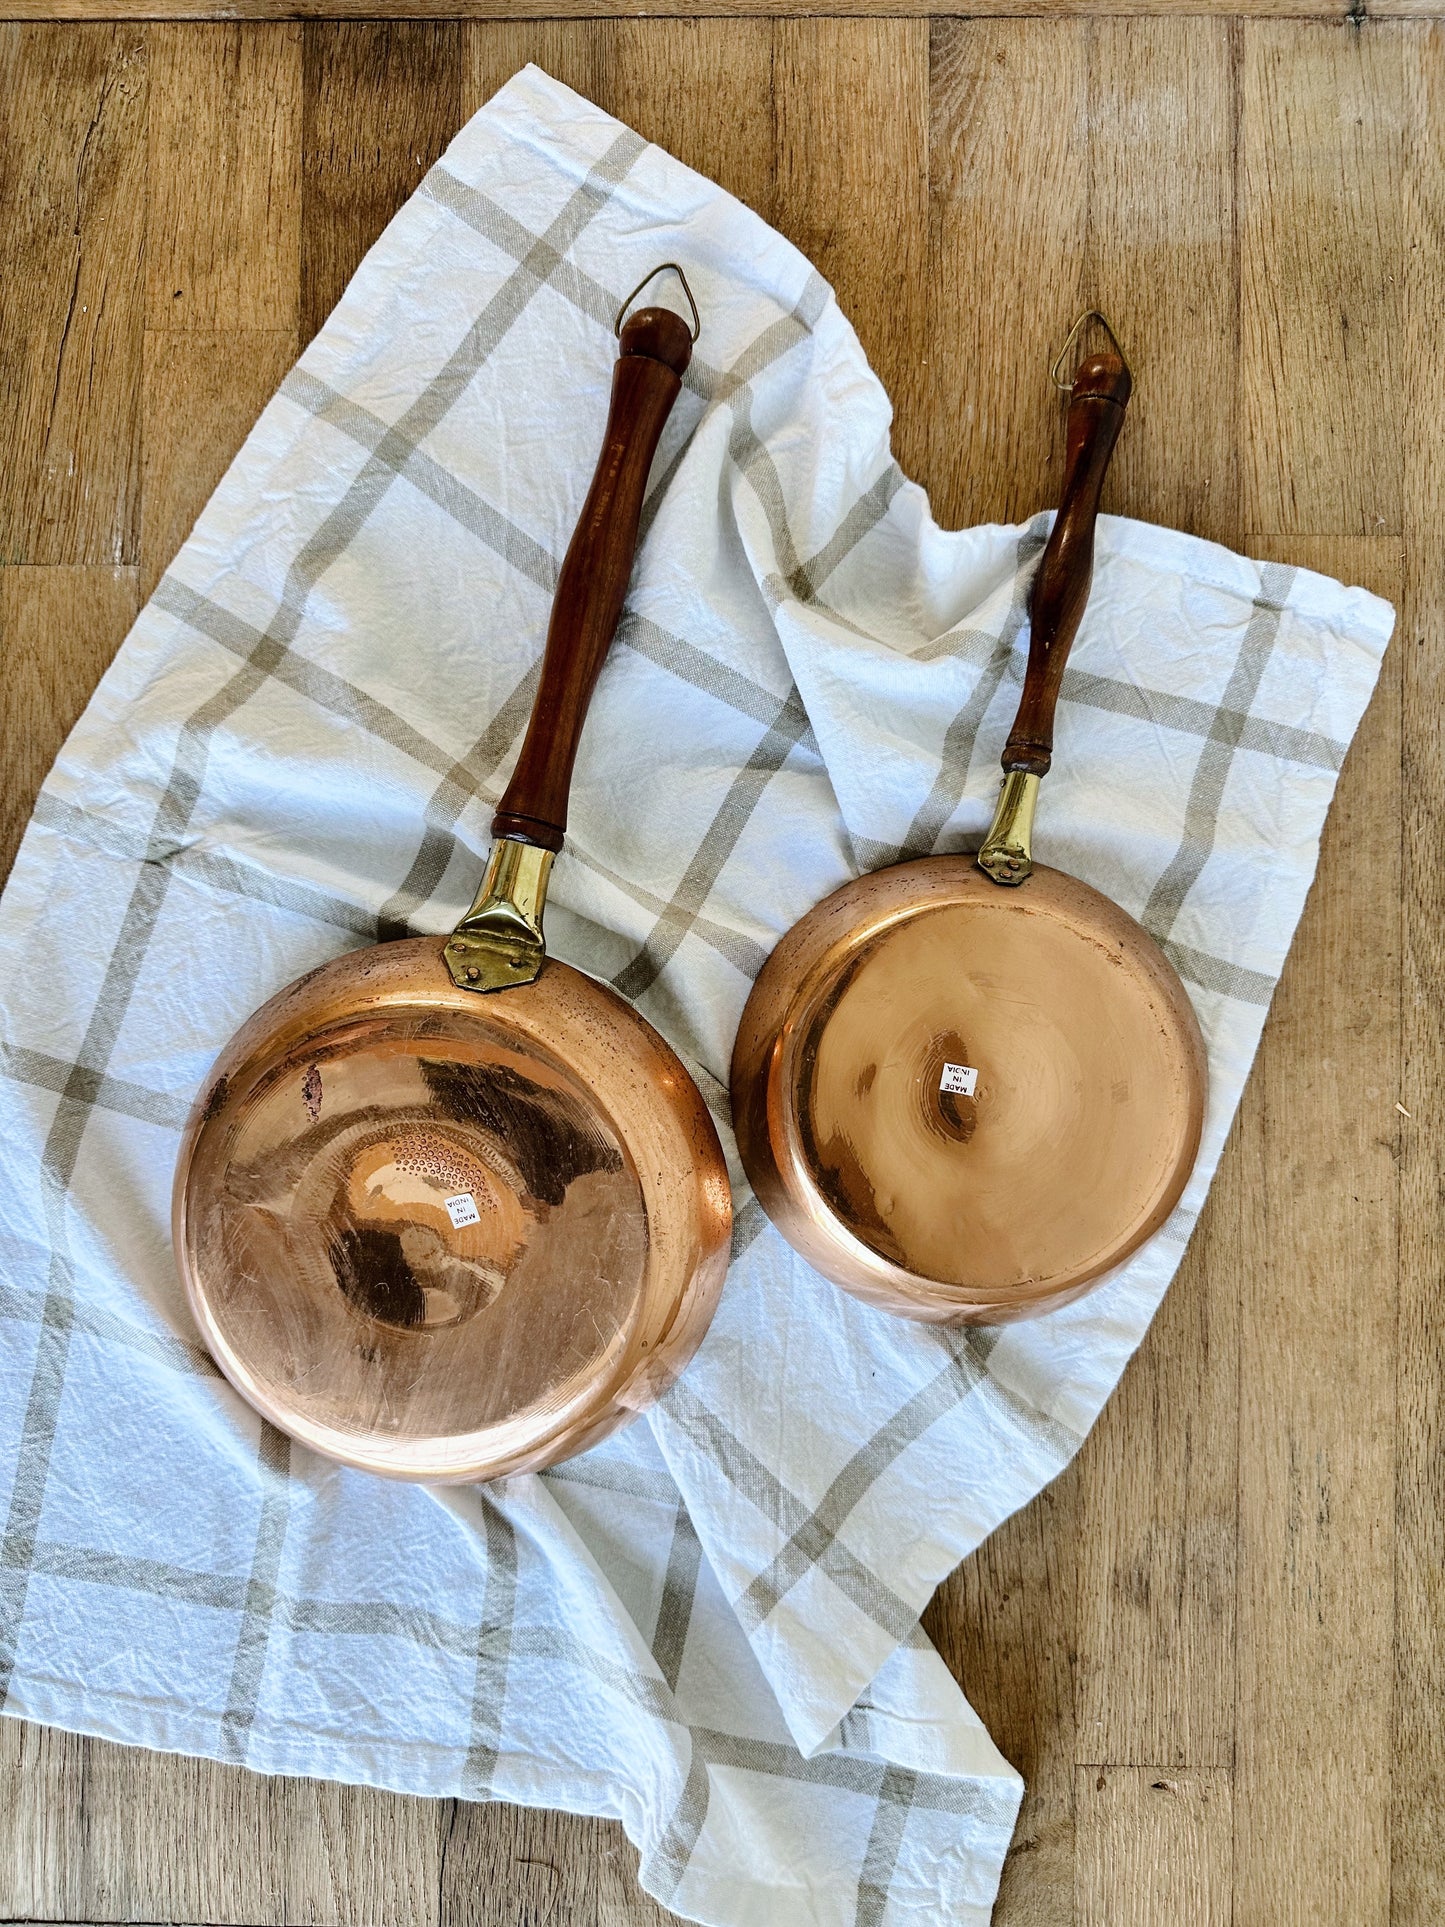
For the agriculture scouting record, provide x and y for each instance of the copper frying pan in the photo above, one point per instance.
(964, 1089)
(447, 1208)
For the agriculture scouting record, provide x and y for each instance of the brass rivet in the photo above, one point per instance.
(472, 973)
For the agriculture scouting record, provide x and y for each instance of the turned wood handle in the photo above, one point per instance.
(1066, 568)
(656, 348)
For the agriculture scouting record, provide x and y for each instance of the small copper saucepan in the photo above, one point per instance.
(966, 1089)
(441, 1234)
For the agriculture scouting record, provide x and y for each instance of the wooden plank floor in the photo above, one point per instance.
(1216, 1647)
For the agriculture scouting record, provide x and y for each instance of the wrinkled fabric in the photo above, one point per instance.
(706, 1628)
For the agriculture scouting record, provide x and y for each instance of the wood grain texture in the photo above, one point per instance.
(73, 190)
(1158, 1507)
(1417, 1879)
(506, 1864)
(380, 103)
(1161, 249)
(162, 1838)
(1238, 1589)
(576, 52)
(1005, 1623)
(1154, 1848)
(1008, 202)
(513, 10)
(1320, 179)
(1318, 1308)
(42, 1775)
(224, 218)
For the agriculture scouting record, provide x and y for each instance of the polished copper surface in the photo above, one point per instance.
(448, 1209)
(966, 1088)
(1075, 1143)
(441, 1236)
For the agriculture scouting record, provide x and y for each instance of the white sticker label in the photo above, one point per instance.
(462, 1210)
(962, 1079)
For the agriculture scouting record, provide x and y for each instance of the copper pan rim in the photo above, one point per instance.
(781, 1156)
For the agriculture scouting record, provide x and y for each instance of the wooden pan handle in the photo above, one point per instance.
(1101, 392)
(656, 348)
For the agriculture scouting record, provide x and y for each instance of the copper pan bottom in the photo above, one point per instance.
(966, 1103)
(442, 1236)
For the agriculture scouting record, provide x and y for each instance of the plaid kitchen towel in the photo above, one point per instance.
(708, 1627)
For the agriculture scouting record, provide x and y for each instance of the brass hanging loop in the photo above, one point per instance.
(651, 275)
(1089, 314)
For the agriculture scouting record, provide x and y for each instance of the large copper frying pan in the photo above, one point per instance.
(443, 1234)
(965, 1089)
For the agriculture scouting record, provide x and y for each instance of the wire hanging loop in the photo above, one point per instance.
(1089, 314)
(651, 275)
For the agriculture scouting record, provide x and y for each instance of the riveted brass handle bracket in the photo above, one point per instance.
(499, 942)
(1007, 852)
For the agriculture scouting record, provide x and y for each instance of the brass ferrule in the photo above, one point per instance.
(1007, 853)
(499, 942)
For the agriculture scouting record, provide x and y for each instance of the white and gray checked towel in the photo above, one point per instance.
(707, 1627)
